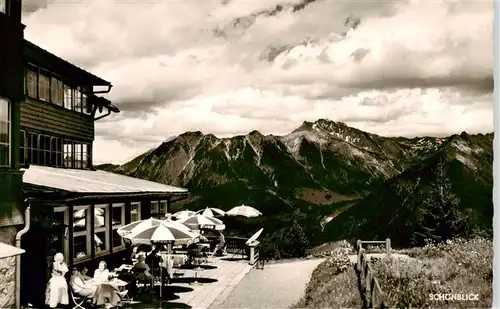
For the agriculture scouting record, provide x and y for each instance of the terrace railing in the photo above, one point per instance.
(371, 292)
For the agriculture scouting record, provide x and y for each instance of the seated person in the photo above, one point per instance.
(141, 270)
(84, 274)
(102, 273)
(154, 261)
(101, 294)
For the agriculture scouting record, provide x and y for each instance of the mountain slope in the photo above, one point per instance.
(391, 210)
(380, 181)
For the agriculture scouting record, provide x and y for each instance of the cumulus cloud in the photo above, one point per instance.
(229, 67)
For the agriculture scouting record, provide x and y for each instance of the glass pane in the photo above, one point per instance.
(80, 220)
(80, 246)
(134, 213)
(68, 97)
(4, 132)
(100, 241)
(4, 110)
(100, 217)
(155, 208)
(44, 87)
(4, 155)
(117, 215)
(163, 207)
(117, 240)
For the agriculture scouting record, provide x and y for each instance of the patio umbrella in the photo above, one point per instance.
(202, 222)
(245, 211)
(139, 225)
(183, 214)
(211, 212)
(164, 233)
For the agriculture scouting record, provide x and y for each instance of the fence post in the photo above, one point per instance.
(388, 247)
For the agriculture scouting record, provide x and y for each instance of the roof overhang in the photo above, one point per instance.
(70, 185)
(39, 56)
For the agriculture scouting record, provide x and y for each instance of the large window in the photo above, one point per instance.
(118, 217)
(76, 154)
(135, 211)
(101, 229)
(59, 237)
(46, 86)
(81, 231)
(41, 149)
(4, 132)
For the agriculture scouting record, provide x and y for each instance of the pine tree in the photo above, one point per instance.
(440, 218)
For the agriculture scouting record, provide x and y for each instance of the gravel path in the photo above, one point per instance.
(279, 285)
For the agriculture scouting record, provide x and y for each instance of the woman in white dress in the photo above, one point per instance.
(101, 274)
(57, 287)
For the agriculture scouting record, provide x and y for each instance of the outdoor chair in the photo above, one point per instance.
(143, 282)
(79, 300)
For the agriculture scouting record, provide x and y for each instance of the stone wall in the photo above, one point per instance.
(8, 282)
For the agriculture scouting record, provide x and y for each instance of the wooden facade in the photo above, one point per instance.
(43, 117)
(11, 95)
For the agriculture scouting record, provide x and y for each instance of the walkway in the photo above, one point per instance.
(214, 281)
(278, 285)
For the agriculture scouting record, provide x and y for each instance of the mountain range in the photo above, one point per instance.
(367, 186)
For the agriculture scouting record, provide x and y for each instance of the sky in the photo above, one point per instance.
(394, 68)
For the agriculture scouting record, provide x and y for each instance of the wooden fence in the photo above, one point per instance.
(372, 294)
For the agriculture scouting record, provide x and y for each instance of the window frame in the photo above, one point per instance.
(117, 226)
(85, 232)
(65, 210)
(101, 229)
(45, 74)
(138, 204)
(155, 210)
(165, 208)
(9, 133)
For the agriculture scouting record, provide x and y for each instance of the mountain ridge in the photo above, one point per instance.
(320, 163)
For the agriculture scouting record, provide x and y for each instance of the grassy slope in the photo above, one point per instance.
(460, 267)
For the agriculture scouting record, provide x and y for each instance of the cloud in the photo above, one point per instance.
(229, 67)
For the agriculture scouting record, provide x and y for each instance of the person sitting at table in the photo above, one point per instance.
(84, 273)
(102, 273)
(100, 293)
(141, 270)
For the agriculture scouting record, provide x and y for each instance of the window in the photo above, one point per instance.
(118, 217)
(4, 133)
(32, 148)
(81, 228)
(135, 211)
(57, 91)
(56, 151)
(163, 207)
(155, 208)
(68, 97)
(78, 155)
(77, 99)
(85, 104)
(31, 83)
(59, 236)
(44, 87)
(85, 155)
(101, 224)
(22, 148)
(44, 150)
(68, 153)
